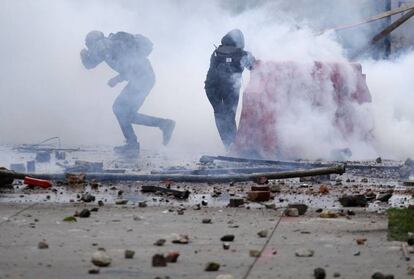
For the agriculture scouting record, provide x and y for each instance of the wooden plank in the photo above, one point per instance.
(373, 18)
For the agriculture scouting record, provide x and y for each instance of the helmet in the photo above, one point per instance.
(233, 38)
(93, 37)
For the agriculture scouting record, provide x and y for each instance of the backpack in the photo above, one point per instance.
(125, 42)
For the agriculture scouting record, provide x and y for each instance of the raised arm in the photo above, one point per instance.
(89, 59)
(248, 60)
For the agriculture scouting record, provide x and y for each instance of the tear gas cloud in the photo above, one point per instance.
(46, 91)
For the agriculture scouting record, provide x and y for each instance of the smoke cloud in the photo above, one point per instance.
(45, 91)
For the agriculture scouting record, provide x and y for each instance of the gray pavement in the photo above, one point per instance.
(117, 228)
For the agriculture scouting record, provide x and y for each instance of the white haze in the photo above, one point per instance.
(45, 91)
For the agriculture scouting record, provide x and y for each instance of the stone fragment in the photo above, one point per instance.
(275, 188)
(181, 239)
(158, 260)
(101, 259)
(410, 270)
(226, 246)
(129, 254)
(292, 212)
(384, 197)
(93, 271)
(323, 189)
(258, 196)
(227, 238)
(121, 201)
(236, 202)
(319, 273)
(303, 252)
(43, 245)
(378, 275)
(262, 233)
(69, 219)
(337, 275)
(353, 201)
(172, 257)
(212, 266)
(260, 188)
(361, 241)
(254, 253)
(328, 214)
(206, 221)
(302, 208)
(160, 242)
(87, 198)
(85, 213)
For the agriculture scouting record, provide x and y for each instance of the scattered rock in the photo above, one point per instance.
(197, 207)
(323, 189)
(236, 202)
(85, 213)
(336, 275)
(260, 188)
(357, 253)
(129, 254)
(410, 270)
(181, 239)
(87, 197)
(142, 204)
(262, 233)
(69, 219)
(172, 257)
(227, 238)
(302, 252)
(93, 271)
(258, 196)
(328, 214)
(378, 160)
(95, 209)
(378, 275)
(100, 203)
(159, 260)
(353, 201)
(384, 197)
(160, 242)
(100, 258)
(275, 189)
(212, 266)
(226, 246)
(361, 241)
(302, 208)
(43, 245)
(206, 221)
(292, 212)
(319, 273)
(121, 201)
(254, 253)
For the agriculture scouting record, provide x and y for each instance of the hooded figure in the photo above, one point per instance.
(223, 82)
(127, 54)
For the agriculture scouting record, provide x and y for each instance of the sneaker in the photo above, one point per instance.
(167, 130)
(131, 148)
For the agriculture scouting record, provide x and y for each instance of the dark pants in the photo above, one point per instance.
(224, 97)
(126, 108)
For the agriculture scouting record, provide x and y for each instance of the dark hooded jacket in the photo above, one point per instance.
(229, 58)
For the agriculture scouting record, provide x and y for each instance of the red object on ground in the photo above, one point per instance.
(280, 89)
(37, 182)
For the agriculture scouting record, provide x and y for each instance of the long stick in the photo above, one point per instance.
(190, 178)
(374, 18)
(207, 158)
